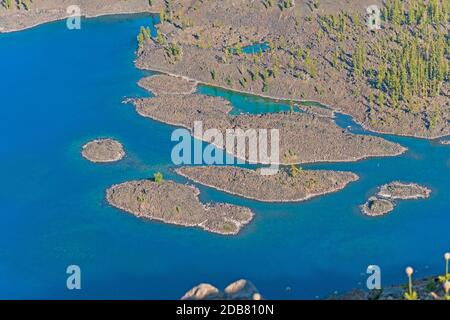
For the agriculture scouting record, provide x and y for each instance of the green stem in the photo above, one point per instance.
(410, 285)
(446, 268)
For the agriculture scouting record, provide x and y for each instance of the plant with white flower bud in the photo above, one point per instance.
(446, 276)
(411, 294)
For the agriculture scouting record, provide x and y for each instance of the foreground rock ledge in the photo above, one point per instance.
(383, 202)
(178, 204)
(428, 288)
(238, 290)
(165, 84)
(103, 150)
(280, 187)
(304, 138)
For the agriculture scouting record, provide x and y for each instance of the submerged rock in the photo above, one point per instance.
(103, 150)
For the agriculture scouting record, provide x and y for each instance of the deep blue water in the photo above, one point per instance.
(60, 89)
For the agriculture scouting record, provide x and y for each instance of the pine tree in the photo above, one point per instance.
(380, 76)
(380, 99)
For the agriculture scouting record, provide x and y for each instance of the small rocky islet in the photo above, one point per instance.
(383, 202)
(103, 151)
(178, 204)
(287, 185)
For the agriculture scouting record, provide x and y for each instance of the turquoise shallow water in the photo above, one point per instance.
(256, 48)
(61, 88)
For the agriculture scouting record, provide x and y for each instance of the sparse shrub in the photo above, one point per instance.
(158, 177)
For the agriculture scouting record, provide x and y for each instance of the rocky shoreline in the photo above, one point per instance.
(165, 85)
(210, 56)
(203, 47)
(383, 202)
(103, 151)
(284, 186)
(44, 11)
(178, 204)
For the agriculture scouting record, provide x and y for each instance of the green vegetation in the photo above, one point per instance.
(266, 80)
(268, 3)
(411, 54)
(447, 290)
(226, 227)
(286, 4)
(255, 72)
(359, 59)
(160, 38)
(295, 171)
(144, 34)
(7, 4)
(158, 177)
(431, 285)
(446, 276)
(310, 65)
(291, 106)
(173, 51)
(410, 294)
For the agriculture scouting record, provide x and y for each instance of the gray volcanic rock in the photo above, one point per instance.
(42, 11)
(404, 191)
(279, 187)
(238, 290)
(241, 290)
(216, 26)
(103, 150)
(377, 207)
(178, 204)
(383, 201)
(164, 84)
(203, 291)
(303, 138)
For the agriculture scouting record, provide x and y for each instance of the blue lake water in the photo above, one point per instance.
(60, 89)
(256, 48)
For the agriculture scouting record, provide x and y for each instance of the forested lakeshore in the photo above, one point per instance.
(386, 65)
(406, 65)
